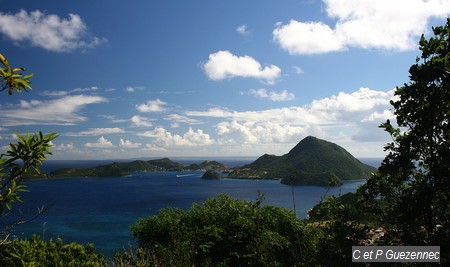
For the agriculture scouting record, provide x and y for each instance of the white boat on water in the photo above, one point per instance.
(183, 175)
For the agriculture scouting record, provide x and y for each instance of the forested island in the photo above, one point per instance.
(211, 175)
(125, 168)
(313, 161)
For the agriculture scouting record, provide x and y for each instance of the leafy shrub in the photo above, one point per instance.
(339, 232)
(36, 252)
(223, 231)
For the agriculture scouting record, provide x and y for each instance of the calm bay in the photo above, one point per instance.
(101, 210)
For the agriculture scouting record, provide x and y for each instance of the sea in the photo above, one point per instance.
(101, 210)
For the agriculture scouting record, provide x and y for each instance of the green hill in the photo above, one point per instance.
(311, 162)
(211, 175)
(119, 169)
(208, 165)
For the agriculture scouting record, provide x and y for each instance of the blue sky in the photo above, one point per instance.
(209, 78)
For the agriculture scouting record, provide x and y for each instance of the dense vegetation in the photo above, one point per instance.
(413, 181)
(223, 232)
(36, 252)
(311, 162)
(405, 203)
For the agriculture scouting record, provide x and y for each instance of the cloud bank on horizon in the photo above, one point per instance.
(244, 95)
(355, 115)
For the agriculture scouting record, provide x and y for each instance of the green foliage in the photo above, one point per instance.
(339, 234)
(318, 178)
(323, 210)
(223, 232)
(36, 252)
(137, 258)
(312, 162)
(413, 180)
(12, 78)
(31, 150)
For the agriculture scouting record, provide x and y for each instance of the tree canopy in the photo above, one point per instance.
(413, 179)
(223, 232)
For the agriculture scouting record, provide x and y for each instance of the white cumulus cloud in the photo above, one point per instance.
(128, 144)
(152, 106)
(274, 96)
(307, 38)
(381, 24)
(259, 132)
(176, 118)
(223, 64)
(354, 113)
(140, 121)
(101, 143)
(243, 30)
(164, 138)
(63, 147)
(47, 31)
(379, 116)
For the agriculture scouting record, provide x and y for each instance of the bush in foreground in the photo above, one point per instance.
(222, 231)
(36, 252)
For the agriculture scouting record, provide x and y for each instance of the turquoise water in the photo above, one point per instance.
(101, 210)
